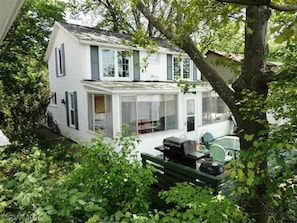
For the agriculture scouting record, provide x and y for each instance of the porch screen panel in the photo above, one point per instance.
(90, 113)
(128, 106)
(171, 112)
(108, 113)
(206, 108)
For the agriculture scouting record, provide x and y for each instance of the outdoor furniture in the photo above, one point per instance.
(230, 143)
(218, 153)
(207, 139)
(181, 151)
(169, 173)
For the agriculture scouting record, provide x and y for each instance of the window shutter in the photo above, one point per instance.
(75, 110)
(169, 67)
(57, 62)
(67, 108)
(136, 65)
(194, 72)
(63, 59)
(94, 62)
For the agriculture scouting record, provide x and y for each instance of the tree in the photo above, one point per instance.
(22, 70)
(113, 15)
(247, 97)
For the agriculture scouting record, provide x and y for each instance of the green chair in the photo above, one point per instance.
(207, 139)
(218, 153)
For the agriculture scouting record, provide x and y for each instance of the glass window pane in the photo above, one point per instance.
(108, 115)
(144, 112)
(190, 115)
(108, 63)
(186, 68)
(206, 108)
(176, 66)
(90, 112)
(128, 106)
(171, 112)
(123, 63)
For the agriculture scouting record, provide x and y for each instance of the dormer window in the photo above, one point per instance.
(116, 64)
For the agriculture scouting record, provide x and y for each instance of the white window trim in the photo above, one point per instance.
(116, 77)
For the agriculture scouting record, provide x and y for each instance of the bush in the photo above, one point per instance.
(118, 177)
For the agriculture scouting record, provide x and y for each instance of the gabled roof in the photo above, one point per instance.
(237, 57)
(93, 36)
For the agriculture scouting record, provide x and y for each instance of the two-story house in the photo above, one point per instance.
(101, 82)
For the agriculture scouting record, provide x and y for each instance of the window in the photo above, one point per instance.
(108, 63)
(149, 113)
(71, 109)
(116, 64)
(60, 61)
(213, 108)
(190, 115)
(100, 114)
(181, 67)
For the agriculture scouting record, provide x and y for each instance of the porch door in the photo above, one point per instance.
(190, 119)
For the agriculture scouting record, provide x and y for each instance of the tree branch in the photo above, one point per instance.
(268, 3)
(186, 43)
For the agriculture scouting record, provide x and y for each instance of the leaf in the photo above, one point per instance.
(25, 201)
(73, 200)
(50, 209)
(248, 137)
(32, 179)
(249, 31)
(21, 176)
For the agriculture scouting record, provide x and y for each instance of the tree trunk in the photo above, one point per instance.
(254, 78)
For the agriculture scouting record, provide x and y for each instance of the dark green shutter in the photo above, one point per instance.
(57, 62)
(75, 109)
(63, 59)
(194, 72)
(94, 62)
(136, 65)
(169, 67)
(67, 107)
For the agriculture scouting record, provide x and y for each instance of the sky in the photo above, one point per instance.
(89, 19)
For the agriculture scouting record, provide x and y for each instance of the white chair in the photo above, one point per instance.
(218, 153)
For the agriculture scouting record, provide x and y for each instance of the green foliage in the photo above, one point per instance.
(117, 176)
(195, 204)
(23, 75)
(27, 180)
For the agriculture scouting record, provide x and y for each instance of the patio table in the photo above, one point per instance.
(230, 143)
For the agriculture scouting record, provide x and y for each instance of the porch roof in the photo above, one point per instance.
(135, 87)
(129, 87)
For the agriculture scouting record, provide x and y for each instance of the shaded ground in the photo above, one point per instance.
(48, 136)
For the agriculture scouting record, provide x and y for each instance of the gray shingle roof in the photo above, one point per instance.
(84, 33)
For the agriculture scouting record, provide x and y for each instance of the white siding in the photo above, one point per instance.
(78, 68)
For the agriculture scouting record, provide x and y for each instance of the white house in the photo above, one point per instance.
(100, 81)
